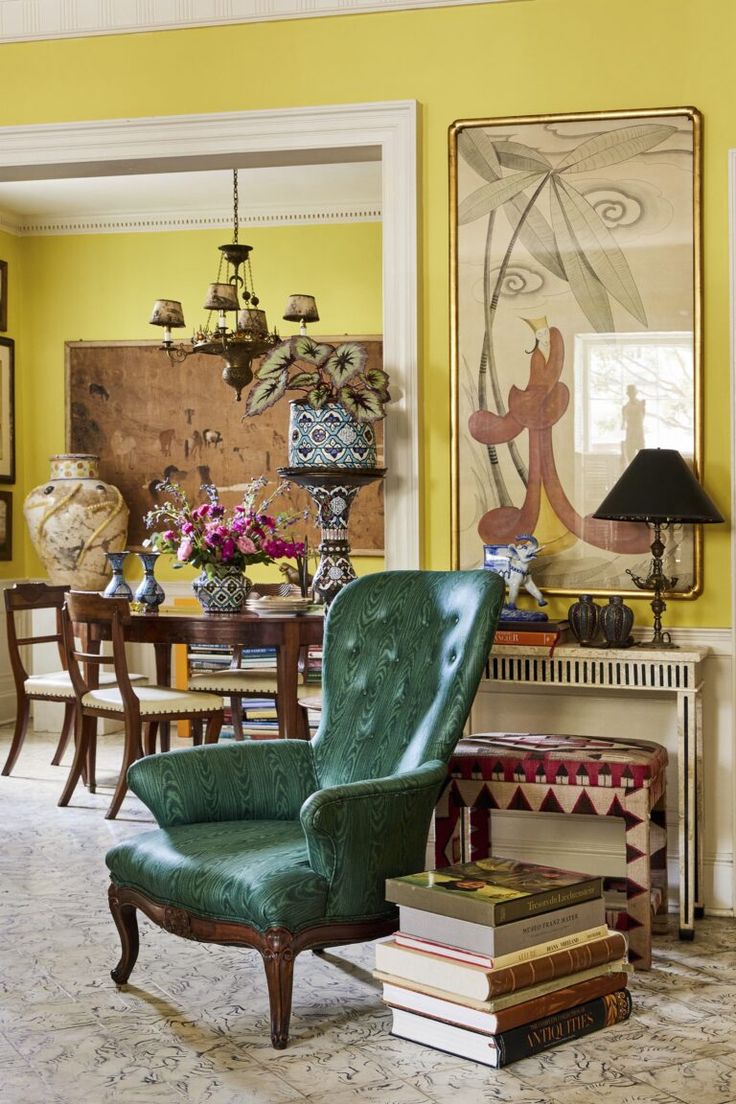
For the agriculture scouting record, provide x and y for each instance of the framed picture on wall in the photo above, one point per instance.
(576, 318)
(6, 525)
(7, 410)
(3, 295)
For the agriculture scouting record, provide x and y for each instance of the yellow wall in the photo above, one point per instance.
(101, 287)
(482, 60)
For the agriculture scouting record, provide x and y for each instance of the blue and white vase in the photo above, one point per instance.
(149, 592)
(117, 587)
(223, 590)
(329, 438)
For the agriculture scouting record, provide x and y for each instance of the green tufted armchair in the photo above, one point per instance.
(286, 845)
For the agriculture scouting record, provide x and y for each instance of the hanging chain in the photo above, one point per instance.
(235, 205)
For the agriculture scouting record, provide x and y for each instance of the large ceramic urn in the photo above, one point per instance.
(329, 438)
(74, 519)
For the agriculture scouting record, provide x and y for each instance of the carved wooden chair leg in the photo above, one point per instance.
(79, 763)
(214, 724)
(66, 731)
(149, 739)
(164, 735)
(126, 921)
(90, 767)
(196, 729)
(236, 708)
(278, 959)
(19, 734)
(131, 752)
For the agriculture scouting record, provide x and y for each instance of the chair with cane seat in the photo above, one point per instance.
(135, 704)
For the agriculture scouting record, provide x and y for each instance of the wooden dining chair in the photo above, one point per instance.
(136, 705)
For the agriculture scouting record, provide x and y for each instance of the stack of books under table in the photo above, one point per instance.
(497, 960)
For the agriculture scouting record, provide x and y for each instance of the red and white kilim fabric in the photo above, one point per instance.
(568, 775)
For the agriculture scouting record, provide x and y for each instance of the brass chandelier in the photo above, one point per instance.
(240, 341)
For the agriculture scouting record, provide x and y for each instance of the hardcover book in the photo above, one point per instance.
(518, 935)
(516, 1043)
(509, 1000)
(498, 962)
(493, 891)
(468, 980)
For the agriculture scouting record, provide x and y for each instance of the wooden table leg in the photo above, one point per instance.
(287, 664)
(163, 678)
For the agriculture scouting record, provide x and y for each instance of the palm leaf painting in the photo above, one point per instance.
(550, 216)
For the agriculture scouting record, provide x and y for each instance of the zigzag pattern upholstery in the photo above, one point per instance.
(568, 775)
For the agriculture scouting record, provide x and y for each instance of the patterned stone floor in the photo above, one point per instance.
(193, 1024)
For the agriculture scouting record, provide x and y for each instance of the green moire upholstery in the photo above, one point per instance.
(285, 845)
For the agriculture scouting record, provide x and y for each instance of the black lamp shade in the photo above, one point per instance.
(658, 486)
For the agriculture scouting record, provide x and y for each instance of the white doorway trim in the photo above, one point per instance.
(732, 266)
(385, 131)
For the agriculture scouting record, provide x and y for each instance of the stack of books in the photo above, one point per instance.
(532, 634)
(312, 667)
(497, 960)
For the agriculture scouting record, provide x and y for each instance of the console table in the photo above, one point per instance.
(677, 672)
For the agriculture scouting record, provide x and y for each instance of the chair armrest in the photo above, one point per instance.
(259, 780)
(364, 832)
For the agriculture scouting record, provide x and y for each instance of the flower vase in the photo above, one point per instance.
(617, 620)
(149, 592)
(329, 438)
(74, 519)
(117, 587)
(584, 617)
(222, 588)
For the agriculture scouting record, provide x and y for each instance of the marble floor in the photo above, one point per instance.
(193, 1024)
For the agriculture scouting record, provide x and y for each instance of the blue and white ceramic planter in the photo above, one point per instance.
(222, 591)
(329, 438)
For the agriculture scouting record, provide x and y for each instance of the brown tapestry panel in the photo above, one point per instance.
(148, 420)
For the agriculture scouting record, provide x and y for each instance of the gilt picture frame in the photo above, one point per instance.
(3, 296)
(7, 410)
(576, 319)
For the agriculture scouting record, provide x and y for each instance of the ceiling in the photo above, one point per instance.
(269, 195)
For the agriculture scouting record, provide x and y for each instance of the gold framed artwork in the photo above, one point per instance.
(6, 525)
(3, 295)
(149, 420)
(576, 334)
(7, 410)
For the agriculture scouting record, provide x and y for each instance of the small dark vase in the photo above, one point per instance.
(584, 617)
(617, 620)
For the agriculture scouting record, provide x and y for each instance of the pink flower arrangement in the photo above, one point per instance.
(210, 535)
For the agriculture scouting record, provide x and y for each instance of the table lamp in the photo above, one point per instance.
(659, 489)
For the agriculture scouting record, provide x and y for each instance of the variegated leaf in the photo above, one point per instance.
(615, 145)
(346, 361)
(266, 392)
(365, 406)
(590, 294)
(490, 196)
(515, 155)
(600, 249)
(478, 149)
(318, 397)
(377, 379)
(303, 380)
(276, 362)
(311, 351)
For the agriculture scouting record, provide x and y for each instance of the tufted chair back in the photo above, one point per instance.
(403, 655)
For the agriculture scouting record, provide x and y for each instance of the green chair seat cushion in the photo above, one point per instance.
(253, 872)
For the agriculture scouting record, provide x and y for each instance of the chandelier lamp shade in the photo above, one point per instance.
(235, 328)
(301, 309)
(659, 489)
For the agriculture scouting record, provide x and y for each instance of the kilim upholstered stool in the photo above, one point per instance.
(568, 775)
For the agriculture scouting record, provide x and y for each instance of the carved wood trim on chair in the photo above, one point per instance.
(278, 946)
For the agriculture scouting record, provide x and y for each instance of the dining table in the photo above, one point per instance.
(287, 633)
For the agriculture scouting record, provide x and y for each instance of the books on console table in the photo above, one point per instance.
(493, 891)
(466, 979)
(519, 936)
(533, 633)
(513, 1044)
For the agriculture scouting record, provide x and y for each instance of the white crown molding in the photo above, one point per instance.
(149, 222)
(106, 147)
(29, 20)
